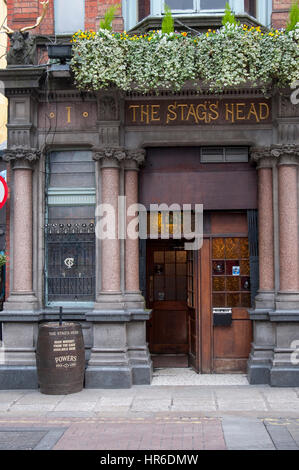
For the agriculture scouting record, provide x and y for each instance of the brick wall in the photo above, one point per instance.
(280, 13)
(25, 12)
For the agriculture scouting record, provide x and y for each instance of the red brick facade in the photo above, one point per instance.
(280, 12)
(22, 13)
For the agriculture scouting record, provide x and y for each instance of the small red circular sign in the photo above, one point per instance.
(3, 192)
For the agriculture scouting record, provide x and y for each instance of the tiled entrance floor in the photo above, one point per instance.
(176, 377)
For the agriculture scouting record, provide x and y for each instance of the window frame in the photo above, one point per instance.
(52, 193)
(68, 32)
(197, 8)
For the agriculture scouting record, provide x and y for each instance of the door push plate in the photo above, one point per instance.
(222, 316)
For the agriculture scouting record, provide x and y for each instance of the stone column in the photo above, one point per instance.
(20, 315)
(22, 296)
(110, 295)
(265, 163)
(260, 360)
(288, 296)
(133, 295)
(108, 366)
(119, 355)
(285, 370)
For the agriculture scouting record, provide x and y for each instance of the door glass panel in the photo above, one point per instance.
(159, 257)
(233, 300)
(170, 278)
(244, 247)
(218, 267)
(181, 256)
(170, 269)
(245, 267)
(231, 276)
(218, 248)
(232, 284)
(159, 291)
(219, 300)
(232, 248)
(246, 300)
(169, 257)
(170, 286)
(218, 284)
(181, 269)
(181, 287)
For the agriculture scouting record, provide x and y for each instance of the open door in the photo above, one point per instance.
(167, 332)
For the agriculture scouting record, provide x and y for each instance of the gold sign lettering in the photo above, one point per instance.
(199, 112)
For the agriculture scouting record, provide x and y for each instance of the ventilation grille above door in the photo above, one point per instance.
(224, 154)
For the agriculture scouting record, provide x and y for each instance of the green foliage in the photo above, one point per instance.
(167, 23)
(231, 56)
(294, 16)
(3, 260)
(106, 23)
(229, 17)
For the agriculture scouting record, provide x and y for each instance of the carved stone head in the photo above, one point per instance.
(22, 49)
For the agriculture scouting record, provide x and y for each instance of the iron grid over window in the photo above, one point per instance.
(70, 228)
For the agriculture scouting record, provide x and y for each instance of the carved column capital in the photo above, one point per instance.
(135, 159)
(109, 156)
(287, 154)
(113, 156)
(21, 157)
(262, 156)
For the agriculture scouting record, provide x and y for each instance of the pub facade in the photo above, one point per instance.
(231, 306)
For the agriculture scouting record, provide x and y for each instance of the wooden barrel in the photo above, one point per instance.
(60, 358)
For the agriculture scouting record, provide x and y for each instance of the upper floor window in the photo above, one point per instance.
(69, 16)
(195, 5)
(135, 11)
(250, 7)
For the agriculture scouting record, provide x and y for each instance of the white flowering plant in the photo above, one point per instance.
(228, 57)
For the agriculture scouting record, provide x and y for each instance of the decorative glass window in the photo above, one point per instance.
(231, 273)
(70, 227)
(170, 275)
(69, 16)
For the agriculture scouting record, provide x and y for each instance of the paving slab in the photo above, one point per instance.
(151, 405)
(281, 437)
(246, 434)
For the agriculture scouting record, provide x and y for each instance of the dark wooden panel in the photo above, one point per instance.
(177, 176)
(169, 360)
(226, 366)
(169, 332)
(240, 314)
(233, 341)
(227, 223)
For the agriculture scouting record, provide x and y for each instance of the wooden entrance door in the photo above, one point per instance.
(167, 297)
(224, 282)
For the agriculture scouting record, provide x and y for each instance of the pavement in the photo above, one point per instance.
(222, 413)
